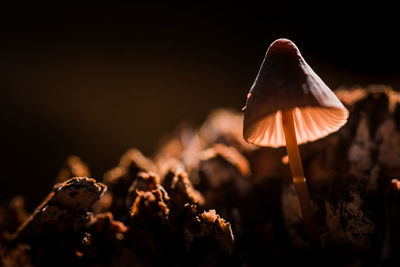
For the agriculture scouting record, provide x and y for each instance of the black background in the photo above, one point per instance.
(96, 79)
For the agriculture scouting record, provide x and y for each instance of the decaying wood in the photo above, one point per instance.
(209, 198)
(59, 222)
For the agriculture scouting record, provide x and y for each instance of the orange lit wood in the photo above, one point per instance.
(298, 177)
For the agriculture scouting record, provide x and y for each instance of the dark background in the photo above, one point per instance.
(94, 80)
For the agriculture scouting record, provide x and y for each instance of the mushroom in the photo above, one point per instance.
(288, 104)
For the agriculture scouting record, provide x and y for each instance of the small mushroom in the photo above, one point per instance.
(289, 104)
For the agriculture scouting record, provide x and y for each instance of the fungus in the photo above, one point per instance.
(288, 104)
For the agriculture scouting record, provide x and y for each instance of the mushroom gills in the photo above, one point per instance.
(311, 123)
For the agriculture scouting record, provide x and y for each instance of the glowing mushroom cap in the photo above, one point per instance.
(285, 81)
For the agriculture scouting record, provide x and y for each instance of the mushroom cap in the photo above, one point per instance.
(286, 81)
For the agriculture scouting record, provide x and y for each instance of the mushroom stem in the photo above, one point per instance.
(298, 177)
